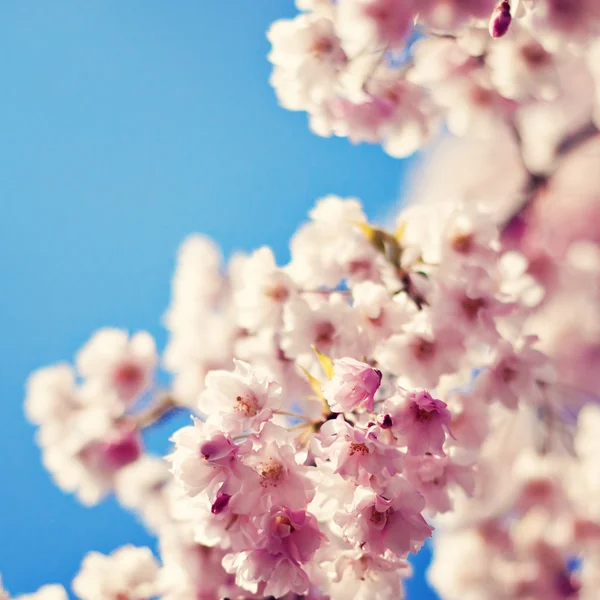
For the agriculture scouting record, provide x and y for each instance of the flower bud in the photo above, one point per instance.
(500, 21)
(220, 504)
(385, 421)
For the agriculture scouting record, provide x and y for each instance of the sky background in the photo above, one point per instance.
(126, 126)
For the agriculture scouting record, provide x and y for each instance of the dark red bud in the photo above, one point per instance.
(500, 21)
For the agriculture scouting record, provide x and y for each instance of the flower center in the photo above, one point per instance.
(270, 474)
(423, 416)
(283, 520)
(472, 306)
(128, 378)
(423, 349)
(358, 448)
(380, 519)
(277, 293)
(321, 45)
(359, 267)
(247, 405)
(481, 96)
(324, 333)
(534, 55)
(462, 243)
(507, 374)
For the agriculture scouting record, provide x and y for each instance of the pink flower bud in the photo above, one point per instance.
(353, 383)
(500, 21)
(385, 421)
(220, 504)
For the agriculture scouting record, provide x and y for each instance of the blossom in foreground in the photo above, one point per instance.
(238, 401)
(353, 383)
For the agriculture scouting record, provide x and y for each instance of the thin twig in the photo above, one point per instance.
(293, 415)
(158, 411)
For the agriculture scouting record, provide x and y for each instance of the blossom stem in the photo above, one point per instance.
(157, 412)
(302, 426)
(285, 413)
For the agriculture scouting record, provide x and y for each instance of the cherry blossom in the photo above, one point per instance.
(263, 291)
(353, 384)
(287, 539)
(437, 370)
(420, 421)
(129, 572)
(114, 362)
(274, 475)
(379, 523)
(358, 453)
(238, 401)
(204, 458)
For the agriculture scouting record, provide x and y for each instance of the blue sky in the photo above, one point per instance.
(125, 127)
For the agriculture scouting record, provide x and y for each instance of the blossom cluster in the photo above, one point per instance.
(392, 72)
(366, 382)
(436, 373)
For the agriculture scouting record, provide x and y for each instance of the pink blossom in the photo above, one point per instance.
(354, 383)
(265, 574)
(379, 22)
(204, 458)
(238, 401)
(361, 575)
(516, 371)
(85, 449)
(293, 534)
(470, 418)
(419, 421)
(391, 522)
(381, 312)
(307, 56)
(328, 323)
(141, 487)
(274, 476)
(357, 452)
(129, 572)
(51, 394)
(121, 447)
(322, 249)
(451, 14)
(467, 298)
(284, 541)
(521, 68)
(198, 283)
(435, 478)
(263, 290)
(421, 353)
(191, 570)
(115, 362)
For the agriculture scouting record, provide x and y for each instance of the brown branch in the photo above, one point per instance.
(157, 412)
(535, 182)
